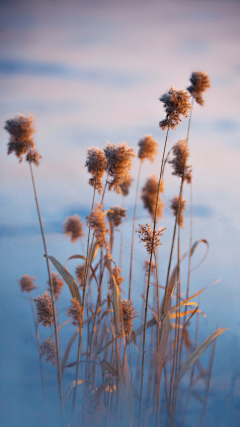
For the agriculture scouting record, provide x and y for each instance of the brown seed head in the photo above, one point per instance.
(200, 82)
(48, 348)
(147, 148)
(21, 129)
(182, 207)
(33, 157)
(27, 283)
(125, 185)
(73, 228)
(176, 103)
(44, 309)
(149, 197)
(145, 234)
(128, 315)
(116, 273)
(179, 161)
(117, 214)
(96, 164)
(75, 312)
(119, 163)
(80, 271)
(96, 220)
(57, 283)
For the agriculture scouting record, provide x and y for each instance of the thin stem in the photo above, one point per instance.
(133, 232)
(122, 232)
(148, 284)
(59, 371)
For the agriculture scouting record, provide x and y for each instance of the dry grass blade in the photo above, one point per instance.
(84, 258)
(67, 351)
(197, 353)
(72, 385)
(63, 324)
(135, 340)
(109, 367)
(68, 279)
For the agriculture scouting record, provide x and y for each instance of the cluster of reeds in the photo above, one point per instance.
(106, 390)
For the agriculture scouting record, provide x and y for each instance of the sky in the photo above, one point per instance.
(92, 72)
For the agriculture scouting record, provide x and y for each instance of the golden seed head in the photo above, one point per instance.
(27, 283)
(145, 234)
(125, 185)
(33, 157)
(80, 271)
(176, 103)
(57, 283)
(149, 197)
(20, 129)
(200, 82)
(44, 309)
(75, 312)
(182, 207)
(128, 315)
(73, 228)
(116, 273)
(147, 148)
(116, 215)
(179, 161)
(96, 220)
(119, 163)
(96, 164)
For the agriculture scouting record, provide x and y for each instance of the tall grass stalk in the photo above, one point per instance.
(148, 283)
(59, 371)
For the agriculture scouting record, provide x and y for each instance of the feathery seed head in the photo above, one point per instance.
(33, 157)
(149, 197)
(182, 207)
(125, 185)
(48, 348)
(75, 312)
(116, 273)
(27, 283)
(44, 309)
(200, 82)
(57, 283)
(128, 315)
(80, 271)
(145, 234)
(96, 220)
(73, 228)
(147, 148)
(116, 215)
(176, 103)
(21, 129)
(119, 163)
(96, 164)
(179, 161)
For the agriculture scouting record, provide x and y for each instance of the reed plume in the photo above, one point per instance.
(182, 207)
(75, 312)
(73, 228)
(125, 185)
(27, 283)
(33, 157)
(44, 309)
(57, 284)
(175, 103)
(21, 130)
(179, 161)
(118, 278)
(200, 82)
(48, 349)
(116, 215)
(96, 164)
(128, 315)
(147, 148)
(80, 271)
(145, 234)
(119, 163)
(149, 197)
(96, 220)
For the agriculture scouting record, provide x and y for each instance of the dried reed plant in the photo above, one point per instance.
(149, 196)
(73, 228)
(96, 163)
(119, 163)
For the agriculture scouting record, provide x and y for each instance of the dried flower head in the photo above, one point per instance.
(116, 273)
(147, 148)
(149, 197)
(80, 271)
(57, 283)
(21, 129)
(73, 227)
(182, 207)
(27, 283)
(128, 315)
(48, 348)
(175, 102)
(145, 234)
(75, 312)
(96, 220)
(179, 161)
(200, 82)
(44, 309)
(116, 215)
(119, 163)
(125, 185)
(33, 157)
(96, 164)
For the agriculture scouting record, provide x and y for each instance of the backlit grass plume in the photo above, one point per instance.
(145, 234)
(96, 220)
(44, 309)
(21, 130)
(147, 148)
(73, 228)
(200, 82)
(125, 185)
(57, 283)
(119, 163)
(179, 161)
(96, 164)
(175, 103)
(149, 197)
(27, 283)
(116, 271)
(75, 312)
(117, 214)
(80, 270)
(48, 349)
(128, 315)
(182, 207)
